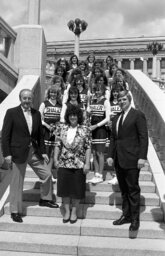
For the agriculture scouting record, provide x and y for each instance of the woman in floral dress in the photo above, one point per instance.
(72, 158)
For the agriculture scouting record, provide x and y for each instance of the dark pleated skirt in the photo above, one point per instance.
(99, 136)
(71, 183)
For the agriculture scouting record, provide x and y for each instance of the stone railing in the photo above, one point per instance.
(8, 75)
(8, 71)
(160, 83)
(7, 40)
(151, 100)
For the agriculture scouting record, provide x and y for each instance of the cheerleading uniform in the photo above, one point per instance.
(84, 97)
(100, 113)
(115, 109)
(51, 115)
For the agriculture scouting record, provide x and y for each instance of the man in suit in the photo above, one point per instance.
(128, 153)
(22, 144)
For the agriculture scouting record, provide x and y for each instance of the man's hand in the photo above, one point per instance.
(8, 160)
(110, 161)
(141, 163)
(46, 158)
(86, 168)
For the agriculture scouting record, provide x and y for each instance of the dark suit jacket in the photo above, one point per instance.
(16, 139)
(132, 144)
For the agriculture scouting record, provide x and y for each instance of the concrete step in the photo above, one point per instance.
(114, 198)
(97, 197)
(85, 227)
(38, 224)
(144, 175)
(107, 246)
(89, 211)
(82, 246)
(105, 228)
(146, 186)
(16, 253)
(147, 213)
(39, 243)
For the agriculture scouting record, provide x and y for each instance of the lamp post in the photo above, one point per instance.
(154, 47)
(77, 27)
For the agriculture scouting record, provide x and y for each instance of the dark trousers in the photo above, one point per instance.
(130, 191)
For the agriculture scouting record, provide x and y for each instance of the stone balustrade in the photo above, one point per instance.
(151, 100)
(8, 71)
(8, 37)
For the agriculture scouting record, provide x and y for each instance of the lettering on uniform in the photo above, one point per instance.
(115, 108)
(83, 96)
(52, 110)
(97, 107)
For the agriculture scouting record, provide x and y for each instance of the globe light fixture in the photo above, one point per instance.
(155, 47)
(77, 27)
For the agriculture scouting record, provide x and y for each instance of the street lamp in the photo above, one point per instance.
(154, 47)
(77, 27)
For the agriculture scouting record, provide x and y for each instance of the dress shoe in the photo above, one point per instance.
(48, 203)
(73, 221)
(135, 224)
(16, 217)
(66, 220)
(122, 220)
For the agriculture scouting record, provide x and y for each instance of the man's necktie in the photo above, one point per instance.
(28, 118)
(120, 123)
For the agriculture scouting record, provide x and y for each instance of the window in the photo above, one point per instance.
(125, 64)
(138, 64)
(149, 63)
(162, 63)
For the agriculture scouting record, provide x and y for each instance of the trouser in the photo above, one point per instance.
(130, 191)
(16, 186)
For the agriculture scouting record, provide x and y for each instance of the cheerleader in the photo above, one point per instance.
(79, 82)
(73, 99)
(50, 111)
(90, 61)
(58, 82)
(73, 62)
(115, 109)
(100, 114)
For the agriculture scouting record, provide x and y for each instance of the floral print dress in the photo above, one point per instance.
(72, 155)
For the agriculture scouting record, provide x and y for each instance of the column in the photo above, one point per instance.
(132, 63)
(34, 12)
(119, 62)
(154, 66)
(158, 68)
(145, 70)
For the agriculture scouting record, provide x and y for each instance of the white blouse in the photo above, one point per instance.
(71, 133)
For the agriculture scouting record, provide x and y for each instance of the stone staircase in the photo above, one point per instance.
(43, 233)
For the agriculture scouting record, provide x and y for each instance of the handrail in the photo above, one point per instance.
(8, 68)
(151, 100)
(7, 30)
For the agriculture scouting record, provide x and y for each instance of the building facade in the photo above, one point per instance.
(129, 53)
